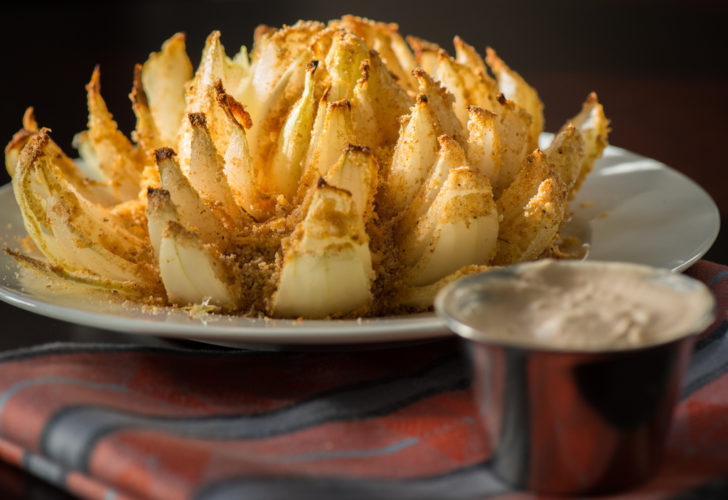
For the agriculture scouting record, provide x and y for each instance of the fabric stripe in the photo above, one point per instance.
(395, 423)
(337, 454)
(71, 348)
(71, 434)
(24, 384)
(88, 487)
(44, 469)
(64, 348)
(187, 385)
(443, 445)
(210, 350)
(715, 279)
(467, 483)
(717, 333)
(708, 362)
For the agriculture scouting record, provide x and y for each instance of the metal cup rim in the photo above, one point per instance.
(472, 334)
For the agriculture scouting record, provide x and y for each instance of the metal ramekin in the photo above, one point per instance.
(572, 422)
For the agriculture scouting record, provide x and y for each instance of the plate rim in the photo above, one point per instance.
(269, 331)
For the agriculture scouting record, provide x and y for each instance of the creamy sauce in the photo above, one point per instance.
(585, 306)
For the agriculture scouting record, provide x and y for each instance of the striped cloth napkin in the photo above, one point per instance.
(124, 421)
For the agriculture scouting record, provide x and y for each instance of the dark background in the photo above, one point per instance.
(659, 68)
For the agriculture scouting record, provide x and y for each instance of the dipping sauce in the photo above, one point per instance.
(576, 367)
(580, 306)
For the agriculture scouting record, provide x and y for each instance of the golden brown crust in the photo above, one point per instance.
(483, 113)
(94, 85)
(138, 96)
(352, 84)
(29, 121)
(420, 45)
(127, 290)
(19, 139)
(364, 67)
(158, 197)
(165, 153)
(343, 103)
(197, 119)
(232, 107)
(262, 31)
(180, 234)
(357, 148)
(312, 65)
(35, 147)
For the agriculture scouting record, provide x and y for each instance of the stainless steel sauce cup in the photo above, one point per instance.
(572, 422)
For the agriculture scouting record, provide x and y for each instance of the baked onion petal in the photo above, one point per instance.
(442, 103)
(515, 88)
(466, 55)
(327, 267)
(385, 100)
(107, 154)
(532, 209)
(385, 39)
(238, 164)
(206, 173)
(159, 211)
(163, 79)
(287, 163)
(511, 125)
(413, 156)
(484, 148)
(468, 87)
(332, 132)
(127, 289)
(421, 297)
(425, 55)
(593, 126)
(193, 273)
(449, 157)
(72, 232)
(343, 62)
(356, 172)
(460, 228)
(194, 214)
(290, 159)
(565, 155)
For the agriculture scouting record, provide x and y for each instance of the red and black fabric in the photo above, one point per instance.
(121, 421)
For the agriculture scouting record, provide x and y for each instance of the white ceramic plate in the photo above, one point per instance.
(630, 209)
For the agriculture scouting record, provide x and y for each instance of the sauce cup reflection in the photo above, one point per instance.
(587, 411)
